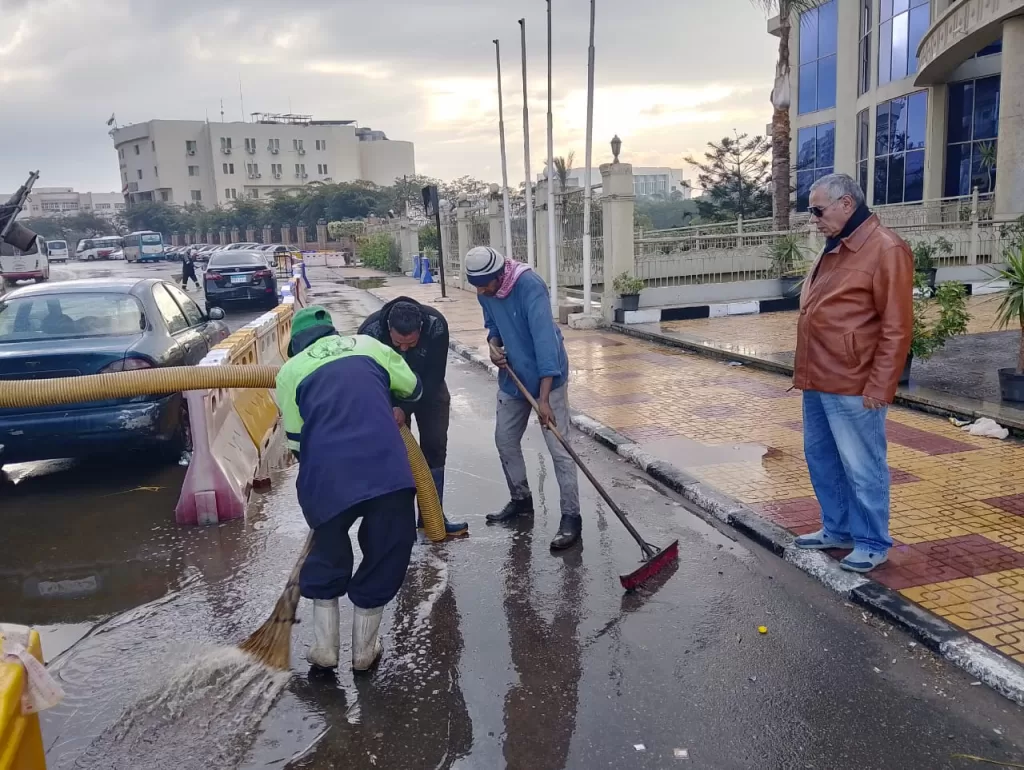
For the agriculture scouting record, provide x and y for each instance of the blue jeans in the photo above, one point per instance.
(845, 448)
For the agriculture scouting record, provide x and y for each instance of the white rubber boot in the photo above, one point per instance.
(366, 646)
(326, 634)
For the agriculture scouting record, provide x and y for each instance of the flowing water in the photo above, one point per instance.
(205, 716)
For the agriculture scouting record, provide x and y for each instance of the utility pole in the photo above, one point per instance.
(552, 258)
(588, 192)
(504, 165)
(531, 257)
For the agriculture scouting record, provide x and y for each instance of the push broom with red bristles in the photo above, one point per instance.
(654, 560)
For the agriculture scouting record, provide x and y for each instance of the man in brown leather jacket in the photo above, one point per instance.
(853, 336)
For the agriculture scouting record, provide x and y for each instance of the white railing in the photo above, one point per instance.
(569, 246)
(721, 258)
(450, 246)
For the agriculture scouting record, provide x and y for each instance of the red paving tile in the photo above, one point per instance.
(924, 441)
(716, 412)
(1011, 504)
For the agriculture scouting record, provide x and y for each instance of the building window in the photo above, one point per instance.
(321, 168)
(864, 73)
(225, 144)
(156, 171)
(971, 136)
(152, 146)
(136, 149)
(902, 25)
(321, 144)
(193, 170)
(190, 147)
(815, 158)
(250, 146)
(990, 50)
(229, 168)
(818, 32)
(900, 130)
(274, 145)
(863, 148)
(297, 145)
(120, 153)
(231, 193)
(254, 192)
(165, 196)
(300, 169)
(197, 196)
(139, 172)
(253, 169)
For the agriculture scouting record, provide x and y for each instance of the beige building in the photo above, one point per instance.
(65, 201)
(917, 99)
(192, 161)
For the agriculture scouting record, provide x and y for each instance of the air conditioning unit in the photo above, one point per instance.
(191, 152)
(251, 149)
(277, 176)
(226, 150)
(302, 151)
(305, 176)
(273, 150)
(259, 176)
(328, 179)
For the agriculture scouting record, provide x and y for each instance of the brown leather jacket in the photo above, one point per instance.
(856, 316)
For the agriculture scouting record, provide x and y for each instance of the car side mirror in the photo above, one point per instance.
(216, 314)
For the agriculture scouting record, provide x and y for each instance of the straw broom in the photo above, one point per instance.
(271, 644)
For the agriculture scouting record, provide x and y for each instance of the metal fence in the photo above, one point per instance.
(450, 245)
(692, 259)
(517, 215)
(569, 245)
(479, 229)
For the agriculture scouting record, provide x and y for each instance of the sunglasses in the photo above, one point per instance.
(818, 212)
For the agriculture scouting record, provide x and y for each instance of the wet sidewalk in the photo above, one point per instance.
(957, 500)
(960, 379)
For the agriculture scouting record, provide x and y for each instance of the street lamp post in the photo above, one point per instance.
(531, 257)
(504, 165)
(588, 192)
(552, 259)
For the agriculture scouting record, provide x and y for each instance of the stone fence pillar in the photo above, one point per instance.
(408, 241)
(250, 234)
(617, 204)
(464, 230)
(321, 234)
(235, 235)
(496, 222)
(268, 234)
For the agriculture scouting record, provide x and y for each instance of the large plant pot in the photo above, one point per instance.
(905, 375)
(791, 285)
(1011, 385)
(630, 301)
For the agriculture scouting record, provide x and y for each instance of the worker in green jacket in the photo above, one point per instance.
(335, 397)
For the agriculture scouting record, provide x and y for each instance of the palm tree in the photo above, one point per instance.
(786, 9)
(562, 168)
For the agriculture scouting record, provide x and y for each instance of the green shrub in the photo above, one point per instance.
(380, 252)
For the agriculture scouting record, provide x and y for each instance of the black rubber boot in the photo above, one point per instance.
(569, 529)
(511, 510)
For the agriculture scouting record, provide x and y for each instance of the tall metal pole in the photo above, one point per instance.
(504, 165)
(588, 192)
(531, 257)
(552, 235)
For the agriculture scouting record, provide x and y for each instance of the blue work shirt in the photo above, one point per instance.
(532, 340)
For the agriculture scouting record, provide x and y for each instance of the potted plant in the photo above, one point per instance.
(1011, 311)
(924, 259)
(930, 332)
(628, 288)
(789, 263)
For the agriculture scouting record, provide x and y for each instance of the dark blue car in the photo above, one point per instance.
(93, 327)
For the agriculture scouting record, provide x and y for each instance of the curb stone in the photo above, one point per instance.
(999, 672)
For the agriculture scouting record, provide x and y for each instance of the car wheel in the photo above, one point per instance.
(182, 441)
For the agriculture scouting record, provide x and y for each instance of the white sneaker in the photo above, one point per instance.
(366, 646)
(326, 634)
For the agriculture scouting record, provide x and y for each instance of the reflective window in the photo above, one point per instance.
(864, 71)
(990, 50)
(863, 148)
(971, 136)
(900, 138)
(815, 158)
(902, 25)
(818, 33)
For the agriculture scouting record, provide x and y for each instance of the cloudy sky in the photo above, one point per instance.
(671, 75)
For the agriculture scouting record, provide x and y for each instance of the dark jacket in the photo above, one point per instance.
(429, 359)
(857, 315)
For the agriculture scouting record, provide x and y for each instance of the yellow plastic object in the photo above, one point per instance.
(171, 379)
(426, 492)
(140, 382)
(21, 742)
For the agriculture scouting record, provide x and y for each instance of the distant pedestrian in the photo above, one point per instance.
(188, 268)
(522, 335)
(853, 337)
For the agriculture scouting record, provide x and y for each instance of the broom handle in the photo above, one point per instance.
(649, 552)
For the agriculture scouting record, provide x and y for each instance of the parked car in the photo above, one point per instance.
(239, 276)
(240, 247)
(57, 251)
(96, 326)
(203, 252)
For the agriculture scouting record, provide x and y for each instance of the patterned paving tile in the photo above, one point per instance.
(1011, 504)
(957, 501)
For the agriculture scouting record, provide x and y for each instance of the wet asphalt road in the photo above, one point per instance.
(498, 653)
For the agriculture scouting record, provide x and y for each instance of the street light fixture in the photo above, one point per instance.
(616, 148)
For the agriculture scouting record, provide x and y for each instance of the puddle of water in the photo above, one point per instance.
(206, 716)
(374, 282)
(687, 453)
